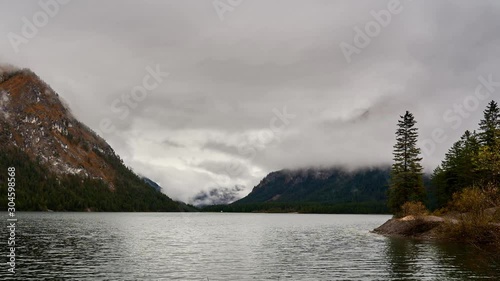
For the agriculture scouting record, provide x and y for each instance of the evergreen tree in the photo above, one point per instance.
(439, 186)
(406, 176)
(488, 162)
(459, 169)
(490, 125)
(466, 164)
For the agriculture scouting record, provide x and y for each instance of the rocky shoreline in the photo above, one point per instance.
(412, 227)
(421, 227)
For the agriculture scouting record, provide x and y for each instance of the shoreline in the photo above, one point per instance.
(429, 228)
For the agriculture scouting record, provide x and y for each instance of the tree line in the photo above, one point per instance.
(38, 189)
(374, 207)
(473, 161)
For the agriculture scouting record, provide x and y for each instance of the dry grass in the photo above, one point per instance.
(416, 209)
(473, 224)
(496, 215)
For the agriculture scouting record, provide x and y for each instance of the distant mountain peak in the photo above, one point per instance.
(217, 196)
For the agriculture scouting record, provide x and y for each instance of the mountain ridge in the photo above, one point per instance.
(44, 127)
(62, 155)
(317, 190)
(327, 185)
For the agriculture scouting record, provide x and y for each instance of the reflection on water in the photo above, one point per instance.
(93, 246)
(417, 260)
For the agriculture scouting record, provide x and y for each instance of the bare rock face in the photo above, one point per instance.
(33, 119)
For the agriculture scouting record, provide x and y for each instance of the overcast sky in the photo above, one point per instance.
(235, 66)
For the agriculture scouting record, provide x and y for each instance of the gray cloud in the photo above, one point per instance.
(227, 77)
(221, 147)
(172, 144)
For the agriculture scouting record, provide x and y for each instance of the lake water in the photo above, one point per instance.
(203, 246)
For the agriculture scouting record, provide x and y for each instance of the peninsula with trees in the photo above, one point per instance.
(465, 186)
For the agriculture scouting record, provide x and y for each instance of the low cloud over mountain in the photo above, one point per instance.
(217, 196)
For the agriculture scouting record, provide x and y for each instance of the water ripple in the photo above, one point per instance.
(82, 246)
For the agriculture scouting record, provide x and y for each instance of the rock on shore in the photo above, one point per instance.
(410, 226)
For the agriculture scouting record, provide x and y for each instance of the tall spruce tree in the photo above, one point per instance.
(488, 161)
(490, 125)
(406, 176)
(467, 166)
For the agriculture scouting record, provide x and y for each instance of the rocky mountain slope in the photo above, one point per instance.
(63, 154)
(34, 120)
